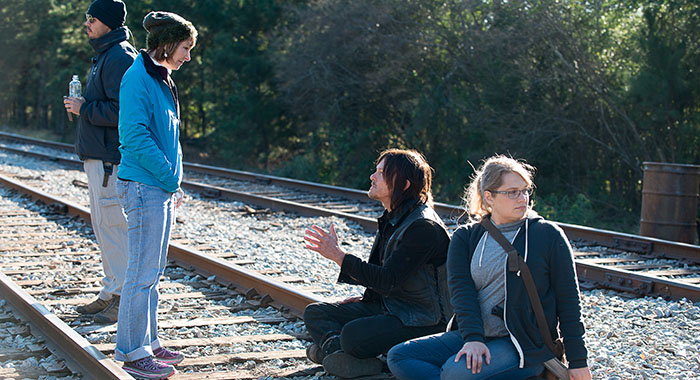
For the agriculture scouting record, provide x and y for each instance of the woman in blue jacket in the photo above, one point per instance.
(149, 188)
(498, 336)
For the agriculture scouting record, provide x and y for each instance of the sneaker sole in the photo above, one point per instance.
(170, 361)
(146, 376)
(80, 310)
(101, 320)
(85, 312)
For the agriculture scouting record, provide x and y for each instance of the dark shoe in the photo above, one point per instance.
(93, 307)
(315, 353)
(110, 313)
(348, 367)
(331, 345)
(166, 356)
(148, 369)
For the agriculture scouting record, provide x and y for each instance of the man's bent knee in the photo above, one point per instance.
(314, 313)
(359, 345)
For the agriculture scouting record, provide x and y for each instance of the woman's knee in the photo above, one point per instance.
(396, 355)
(454, 371)
(400, 361)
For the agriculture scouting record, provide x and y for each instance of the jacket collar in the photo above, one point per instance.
(532, 216)
(155, 71)
(151, 67)
(396, 215)
(105, 42)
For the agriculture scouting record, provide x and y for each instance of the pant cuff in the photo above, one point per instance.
(105, 295)
(139, 353)
(156, 344)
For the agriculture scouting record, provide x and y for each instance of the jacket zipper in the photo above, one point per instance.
(521, 363)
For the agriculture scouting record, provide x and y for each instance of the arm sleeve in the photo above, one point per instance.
(463, 293)
(134, 117)
(105, 113)
(566, 292)
(420, 243)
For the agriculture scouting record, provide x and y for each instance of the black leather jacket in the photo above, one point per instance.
(402, 270)
(97, 134)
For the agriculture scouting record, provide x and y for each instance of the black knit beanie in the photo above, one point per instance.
(165, 28)
(111, 12)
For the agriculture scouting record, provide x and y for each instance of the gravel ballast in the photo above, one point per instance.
(627, 338)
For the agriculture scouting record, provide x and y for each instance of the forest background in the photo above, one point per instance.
(586, 91)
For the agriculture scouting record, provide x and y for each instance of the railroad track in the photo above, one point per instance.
(625, 262)
(630, 263)
(226, 318)
(24, 356)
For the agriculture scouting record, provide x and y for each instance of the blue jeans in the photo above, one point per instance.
(433, 357)
(149, 215)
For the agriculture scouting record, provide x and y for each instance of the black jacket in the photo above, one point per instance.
(402, 270)
(97, 134)
(550, 259)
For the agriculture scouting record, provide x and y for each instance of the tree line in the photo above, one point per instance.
(584, 90)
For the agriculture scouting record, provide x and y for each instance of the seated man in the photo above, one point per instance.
(402, 299)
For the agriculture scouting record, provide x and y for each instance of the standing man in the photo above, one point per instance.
(97, 144)
(405, 295)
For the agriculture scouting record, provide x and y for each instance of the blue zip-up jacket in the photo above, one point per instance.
(149, 127)
(547, 252)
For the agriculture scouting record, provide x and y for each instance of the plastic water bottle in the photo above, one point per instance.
(74, 87)
(74, 91)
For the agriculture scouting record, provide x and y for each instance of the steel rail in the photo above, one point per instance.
(58, 204)
(278, 204)
(207, 169)
(294, 300)
(355, 194)
(79, 354)
(595, 273)
(628, 242)
(83, 357)
(227, 272)
(628, 281)
(35, 141)
(345, 192)
(217, 191)
(604, 237)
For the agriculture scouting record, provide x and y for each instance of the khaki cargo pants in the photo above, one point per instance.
(109, 225)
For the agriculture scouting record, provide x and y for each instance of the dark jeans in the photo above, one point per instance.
(366, 330)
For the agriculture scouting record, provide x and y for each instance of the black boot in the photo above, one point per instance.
(315, 354)
(347, 366)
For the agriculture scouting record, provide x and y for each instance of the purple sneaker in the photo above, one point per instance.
(166, 356)
(148, 369)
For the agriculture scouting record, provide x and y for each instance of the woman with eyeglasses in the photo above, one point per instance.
(497, 336)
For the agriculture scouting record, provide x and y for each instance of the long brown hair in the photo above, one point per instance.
(402, 165)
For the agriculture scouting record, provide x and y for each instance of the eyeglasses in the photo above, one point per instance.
(90, 19)
(514, 194)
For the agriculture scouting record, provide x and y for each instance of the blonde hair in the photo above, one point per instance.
(489, 176)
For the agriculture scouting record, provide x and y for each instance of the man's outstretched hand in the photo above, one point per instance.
(325, 243)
